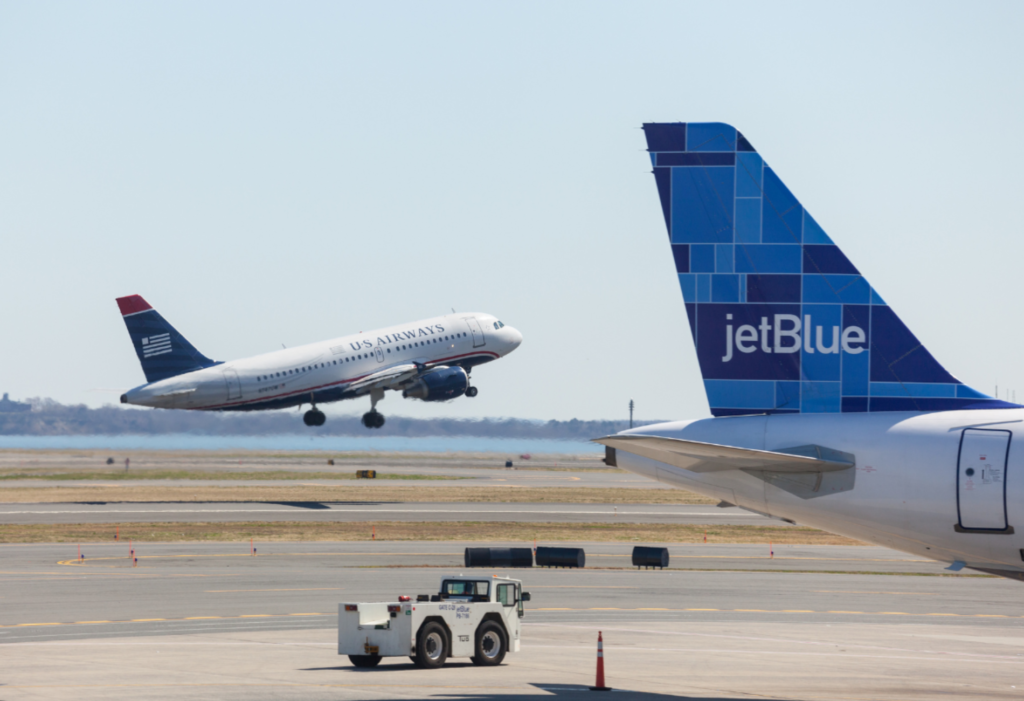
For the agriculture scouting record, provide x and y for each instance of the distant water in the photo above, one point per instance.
(187, 441)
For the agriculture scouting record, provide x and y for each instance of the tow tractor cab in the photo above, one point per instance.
(476, 617)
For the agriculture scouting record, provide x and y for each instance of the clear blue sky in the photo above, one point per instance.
(268, 173)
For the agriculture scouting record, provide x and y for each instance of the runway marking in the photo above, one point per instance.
(231, 591)
(537, 610)
(86, 562)
(575, 586)
(445, 511)
(841, 591)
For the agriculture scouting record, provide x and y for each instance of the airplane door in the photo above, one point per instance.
(379, 352)
(478, 333)
(234, 386)
(981, 480)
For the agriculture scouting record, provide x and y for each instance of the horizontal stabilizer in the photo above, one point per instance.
(709, 457)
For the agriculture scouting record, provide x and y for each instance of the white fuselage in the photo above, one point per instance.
(904, 492)
(289, 377)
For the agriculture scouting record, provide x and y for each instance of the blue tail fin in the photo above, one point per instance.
(782, 320)
(162, 351)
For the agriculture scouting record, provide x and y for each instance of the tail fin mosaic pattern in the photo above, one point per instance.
(782, 320)
(162, 351)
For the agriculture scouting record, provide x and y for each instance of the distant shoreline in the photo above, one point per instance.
(54, 421)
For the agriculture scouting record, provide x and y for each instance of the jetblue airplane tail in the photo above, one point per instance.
(162, 351)
(782, 320)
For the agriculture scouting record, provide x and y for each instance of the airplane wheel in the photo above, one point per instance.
(471, 391)
(314, 417)
(373, 419)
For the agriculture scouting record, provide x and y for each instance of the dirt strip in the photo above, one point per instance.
(356, 492)
(492, 532)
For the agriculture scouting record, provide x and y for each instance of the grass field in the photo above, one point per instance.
(492, 532)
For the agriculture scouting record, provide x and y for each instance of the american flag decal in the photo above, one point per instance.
(156, 345)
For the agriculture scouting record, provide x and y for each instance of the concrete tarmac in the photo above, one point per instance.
(465, 477)
(366, 512)
(196, 621)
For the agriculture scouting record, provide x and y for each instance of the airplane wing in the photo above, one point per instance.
(389, 378)
(710, 457)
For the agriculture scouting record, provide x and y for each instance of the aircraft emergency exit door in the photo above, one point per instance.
(981, 480)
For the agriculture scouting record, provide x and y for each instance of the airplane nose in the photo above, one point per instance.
(514, 337)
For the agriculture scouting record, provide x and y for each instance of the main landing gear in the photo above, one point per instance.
(373, 418)
(471, 391)
(314, 417)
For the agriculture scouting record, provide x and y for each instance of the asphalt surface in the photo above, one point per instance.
(466, 477)
(212, 621)
(366, 512)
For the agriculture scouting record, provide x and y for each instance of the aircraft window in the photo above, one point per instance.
(389, 350)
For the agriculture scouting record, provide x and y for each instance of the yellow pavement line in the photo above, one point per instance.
(860, 591)
(76, 562)
(602, 608)
(230, 591)
(169, 620)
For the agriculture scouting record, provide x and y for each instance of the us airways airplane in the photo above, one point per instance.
(827, 409)
(428, 360)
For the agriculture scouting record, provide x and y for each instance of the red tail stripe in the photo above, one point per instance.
(132, 304)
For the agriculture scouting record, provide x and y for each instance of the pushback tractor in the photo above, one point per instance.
(475, 617)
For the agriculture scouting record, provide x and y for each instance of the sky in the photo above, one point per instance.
(284, 173)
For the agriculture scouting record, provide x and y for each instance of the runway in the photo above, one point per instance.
(202, 620)
(458, 477)
(365, 512)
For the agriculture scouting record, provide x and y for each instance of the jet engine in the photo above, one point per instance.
(439, 385)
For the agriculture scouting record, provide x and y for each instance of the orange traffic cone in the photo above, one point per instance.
(599, 686)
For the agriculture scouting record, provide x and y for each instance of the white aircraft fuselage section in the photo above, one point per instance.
(908, 488)
(288, 377)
